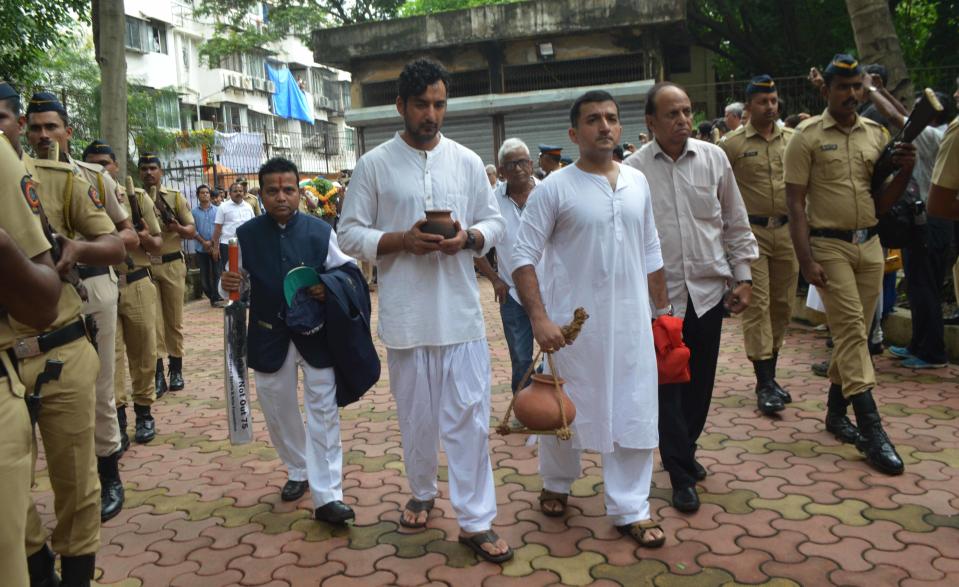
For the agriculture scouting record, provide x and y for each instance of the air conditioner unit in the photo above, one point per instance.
(258, 84)
(247, 82)
(270, 86)
(285, 141)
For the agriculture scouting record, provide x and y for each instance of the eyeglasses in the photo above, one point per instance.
(511, 165)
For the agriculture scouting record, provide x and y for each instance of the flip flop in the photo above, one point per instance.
(638, 530)
(553, 496)
(476, 542)
(416, 506)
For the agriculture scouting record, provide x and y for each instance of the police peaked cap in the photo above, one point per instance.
(45, 102)
(148, 158)
(843, 65)
(761, 84)
(7, 91)
(98, 147)
(551, 150)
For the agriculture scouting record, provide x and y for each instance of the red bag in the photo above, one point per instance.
(672, 355)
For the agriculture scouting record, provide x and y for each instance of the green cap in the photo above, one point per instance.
(296, 279)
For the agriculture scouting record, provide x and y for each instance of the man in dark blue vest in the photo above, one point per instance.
(270, 246)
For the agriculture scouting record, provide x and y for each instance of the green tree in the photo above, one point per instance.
(419, 7)
(31, 28)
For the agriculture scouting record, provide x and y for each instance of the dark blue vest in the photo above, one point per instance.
(269, 252)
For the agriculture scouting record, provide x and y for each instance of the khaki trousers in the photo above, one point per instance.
(15, 474)
(854, 275)
(102, 305)
(67, 409)
(774, 288)
(170, 281)
(136, 335)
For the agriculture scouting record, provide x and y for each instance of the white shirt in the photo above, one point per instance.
(334, 258)
(512, 216)
(702, 221)
(425, 300)
(599, 246)
(230, 216)
(927, 147)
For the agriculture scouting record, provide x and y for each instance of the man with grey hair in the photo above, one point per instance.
(734, 115)
(491, 174)
(516, 165)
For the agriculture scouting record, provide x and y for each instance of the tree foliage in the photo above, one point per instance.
(30, 28)
(419, 7)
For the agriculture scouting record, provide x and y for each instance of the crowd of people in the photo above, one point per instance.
(693, 224)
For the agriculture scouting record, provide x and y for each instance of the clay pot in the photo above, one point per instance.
(439, 222)
(537, 405)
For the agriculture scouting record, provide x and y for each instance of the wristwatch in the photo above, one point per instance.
(747, 281)
(470, 240)
(667, 311)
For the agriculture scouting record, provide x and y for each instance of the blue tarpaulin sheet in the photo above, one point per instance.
(288, 100)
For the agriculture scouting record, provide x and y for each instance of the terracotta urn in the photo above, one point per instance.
(439, 222)
(537, 405)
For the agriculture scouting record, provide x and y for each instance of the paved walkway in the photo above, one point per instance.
(784, 503)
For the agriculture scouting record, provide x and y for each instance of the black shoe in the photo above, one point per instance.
(77, 570)
(122, 422)
(821, 369)
(146, 425)
(836, 421)
(782, 393)
(876, 348)
(111, 488)
(767, 400)
(335, 512)
(873, 442)
(41, 569)
(685, 499)
(700, 470)
(160, 381)
(294, 490)
(176, 373)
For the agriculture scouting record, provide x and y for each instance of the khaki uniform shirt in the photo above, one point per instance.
(111, 195)
(836, 167)
(20, 218)
(758, 166)
(254, 203)
(73, 208)
(178, 204)
(946, 172)
(139, 256)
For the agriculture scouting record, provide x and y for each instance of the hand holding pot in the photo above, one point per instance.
(548, 335)
(417, 242)
(454, 244)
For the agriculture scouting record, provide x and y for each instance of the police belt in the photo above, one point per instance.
(769, 221)
(855, 237)
(35, 346)
(133, 276)
(86, 271)
(161, 259)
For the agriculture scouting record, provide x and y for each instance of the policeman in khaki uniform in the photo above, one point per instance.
(30, 292)
(66, 421)
(832, 220)
(48, 123)
(169, 272)
(755, 151)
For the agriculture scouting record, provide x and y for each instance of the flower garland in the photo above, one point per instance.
(323, 196)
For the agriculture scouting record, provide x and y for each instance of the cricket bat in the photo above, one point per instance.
(234, 356)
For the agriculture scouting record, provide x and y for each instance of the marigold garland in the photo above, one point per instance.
(324, 194)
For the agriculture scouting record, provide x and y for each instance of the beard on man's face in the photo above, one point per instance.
(422, 133)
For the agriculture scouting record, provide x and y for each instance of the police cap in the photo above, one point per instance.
(98, 147)
(551, 151)
(45, 102)
(148, 158)
(843, 65)
(761, 84)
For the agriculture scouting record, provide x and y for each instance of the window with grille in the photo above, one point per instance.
(145, 36)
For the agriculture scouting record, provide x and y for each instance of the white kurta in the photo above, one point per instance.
(600, 245)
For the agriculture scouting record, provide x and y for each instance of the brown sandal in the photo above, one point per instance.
(476, 542)
(416, 506)
(547, 496)
(639, 530)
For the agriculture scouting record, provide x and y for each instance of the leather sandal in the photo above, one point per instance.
(640, 530)
(476, 542)
(416, 506)
(547, 496)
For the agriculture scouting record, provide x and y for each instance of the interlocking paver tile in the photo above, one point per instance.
(784, 504)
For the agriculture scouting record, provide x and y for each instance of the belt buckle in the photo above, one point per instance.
(156, 259)
(27, 347)
(859, 236)
(773, 222)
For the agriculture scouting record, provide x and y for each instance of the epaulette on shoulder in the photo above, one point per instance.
(808, 122)
(52, 165)
(92, 166)
(870, 122)
(735, 133)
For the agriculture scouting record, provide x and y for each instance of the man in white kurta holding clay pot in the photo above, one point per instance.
(595, 221)
(430, 318)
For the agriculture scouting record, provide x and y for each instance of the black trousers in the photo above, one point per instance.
(925, 268)
(209, 275)
(683, 406)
